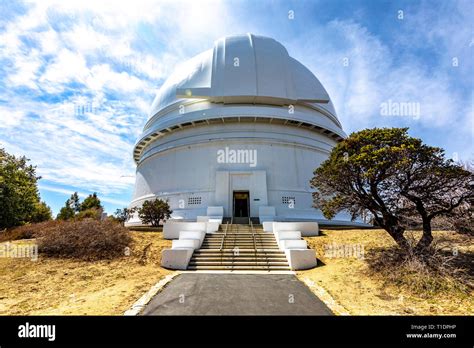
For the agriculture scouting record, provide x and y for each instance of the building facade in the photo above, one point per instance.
(241, 126)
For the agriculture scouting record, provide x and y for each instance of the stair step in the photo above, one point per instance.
(239, 242)
(243, 268)
(239, 258)
(243, 263)
(243, 244)
(241, 251)
(257, 250)
(239, 238)
(239, 234)
(258, 255)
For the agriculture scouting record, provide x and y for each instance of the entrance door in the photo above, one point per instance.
(241, 204)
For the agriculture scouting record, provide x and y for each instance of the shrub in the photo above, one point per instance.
(91, 213)
(125, 214)
(18, 190)
(464, 225)
(28, 231)
(91, 202)
(426, 273)
(42, 213)
(65, 213)
(86, 239)
(154, 212)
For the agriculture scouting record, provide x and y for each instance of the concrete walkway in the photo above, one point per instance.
(236, 294)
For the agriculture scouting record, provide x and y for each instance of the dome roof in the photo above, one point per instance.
(243, 69)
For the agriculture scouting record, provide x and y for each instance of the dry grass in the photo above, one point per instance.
(53, 286)
(86, 239)
(28, 231)
(434, 272)
(370, 286)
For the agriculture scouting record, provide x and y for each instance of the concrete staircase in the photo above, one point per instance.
(239, 247)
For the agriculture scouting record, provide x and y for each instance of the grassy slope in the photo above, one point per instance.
(69, 287)
(62, 286)
(347, 281)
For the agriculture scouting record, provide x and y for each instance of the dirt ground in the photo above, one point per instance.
(51, 286)
(345, 278)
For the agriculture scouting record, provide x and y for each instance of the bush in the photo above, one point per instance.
(125, 214)
(86, 239)
(428, 273)
(42, 213)
(28, 231)
(91, 213)
(91, 202)
(18, 190)
(154, 212)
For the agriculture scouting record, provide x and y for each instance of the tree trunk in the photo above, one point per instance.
(391, 225)
(427, 236)
(397, 235)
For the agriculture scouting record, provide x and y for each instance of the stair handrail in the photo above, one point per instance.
(225, 233)
(253, 234)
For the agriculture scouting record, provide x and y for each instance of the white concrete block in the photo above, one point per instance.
(264, 218)
(171, 229)
(176, 258)
(198, 235)
(185, 244)
(300, 259)
(287, 235)
(307, 228)
(292, 244)
(212, 226)
(202, 218)
(216, 219)
(267, 226)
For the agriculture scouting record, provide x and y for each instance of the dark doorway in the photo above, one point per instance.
(241, 203)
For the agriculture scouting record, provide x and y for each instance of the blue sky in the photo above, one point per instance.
(77, 77)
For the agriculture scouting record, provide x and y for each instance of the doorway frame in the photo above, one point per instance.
(248, 201)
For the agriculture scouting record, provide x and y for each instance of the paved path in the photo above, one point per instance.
(236, 294)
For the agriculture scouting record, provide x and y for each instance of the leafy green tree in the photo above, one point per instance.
(93, 213)
(18, 190)
(154, 212)
(74, 202)
(91, 202)
(123, 215)
(42, 213)
(393, 176)
(66, 212)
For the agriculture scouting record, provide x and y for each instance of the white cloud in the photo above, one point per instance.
(80, 194)
(102, 76)
(122, 50)
(10, 118)
(26, 69)
(66, 67)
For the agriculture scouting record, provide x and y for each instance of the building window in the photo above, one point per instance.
(194, 200)
(288, 200)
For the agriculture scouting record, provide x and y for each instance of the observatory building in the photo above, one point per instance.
(241, 126)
